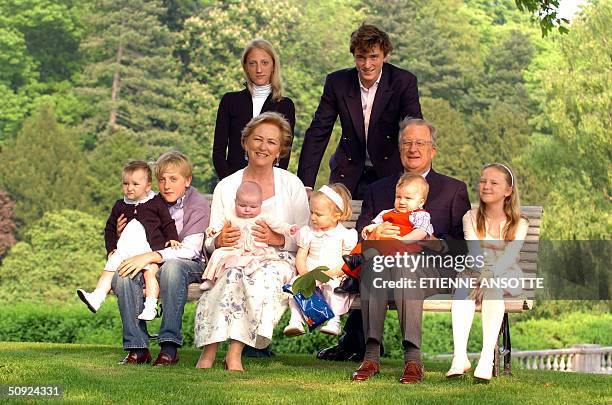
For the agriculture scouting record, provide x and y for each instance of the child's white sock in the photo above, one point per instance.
(206, 285)
(333, 326)
(93, 300)
(151, 302)
(150, 309)
(296, 326)
(99, 294)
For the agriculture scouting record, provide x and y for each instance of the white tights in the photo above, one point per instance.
(492, 315)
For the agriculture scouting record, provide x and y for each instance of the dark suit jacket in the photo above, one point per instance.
(235, 111)
(396, 97)
(447, 202)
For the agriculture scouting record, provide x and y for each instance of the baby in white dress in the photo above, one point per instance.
(247, 252)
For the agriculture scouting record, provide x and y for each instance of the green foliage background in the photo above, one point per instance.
(63, 251)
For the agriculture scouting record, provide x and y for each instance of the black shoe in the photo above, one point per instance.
(249, 351)
(353, 261)
(349, 285)
(337, 353)
(356, 357)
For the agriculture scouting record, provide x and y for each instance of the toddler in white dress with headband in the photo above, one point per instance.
(322, 243)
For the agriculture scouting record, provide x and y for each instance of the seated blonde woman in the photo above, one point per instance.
(244, 308)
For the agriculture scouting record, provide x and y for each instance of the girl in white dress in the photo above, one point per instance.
(322, 243)
(496, 230)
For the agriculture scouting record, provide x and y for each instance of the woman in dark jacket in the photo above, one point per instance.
(263, 93)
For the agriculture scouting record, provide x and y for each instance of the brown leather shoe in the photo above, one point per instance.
(366, 370)
(132, 358)
(164, 359)
(413, 373)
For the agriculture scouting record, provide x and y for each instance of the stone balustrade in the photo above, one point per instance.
(582, 358)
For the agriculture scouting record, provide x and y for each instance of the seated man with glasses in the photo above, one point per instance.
(446, 203)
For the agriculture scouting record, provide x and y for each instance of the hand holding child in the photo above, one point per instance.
(384, 230)
(263, 233)
(132, 266)
(228, 237)
(121, 223)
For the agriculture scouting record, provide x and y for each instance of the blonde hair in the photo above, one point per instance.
(411, 178)
(275, 78)
(341, 189)
(175, 159)
(512, 206)
(250, 188)
(274, 118)
(135, 165)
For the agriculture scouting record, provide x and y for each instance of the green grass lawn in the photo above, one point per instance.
(89, 374)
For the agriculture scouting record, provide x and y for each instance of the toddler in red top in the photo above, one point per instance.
(408, 214)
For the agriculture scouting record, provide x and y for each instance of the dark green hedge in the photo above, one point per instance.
(71, 322)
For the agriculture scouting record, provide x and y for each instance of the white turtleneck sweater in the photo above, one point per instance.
(260, 94)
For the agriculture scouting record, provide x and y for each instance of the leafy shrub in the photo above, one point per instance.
(567, 330)
(60, 323)
(62, 251)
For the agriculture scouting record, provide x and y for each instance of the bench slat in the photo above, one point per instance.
(443, 302)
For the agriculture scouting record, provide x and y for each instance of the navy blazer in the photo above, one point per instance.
(235, 111)
(447, 203)
(397, 96)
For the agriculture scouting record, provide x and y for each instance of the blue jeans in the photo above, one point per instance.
(174, 277)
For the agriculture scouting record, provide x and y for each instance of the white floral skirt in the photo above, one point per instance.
(244, 307)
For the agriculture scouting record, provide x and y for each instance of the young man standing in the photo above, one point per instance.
(370, 99)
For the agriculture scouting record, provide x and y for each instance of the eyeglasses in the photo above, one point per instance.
(420, 144)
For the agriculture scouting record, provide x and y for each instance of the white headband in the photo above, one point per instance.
(335, 197)
(505, 167)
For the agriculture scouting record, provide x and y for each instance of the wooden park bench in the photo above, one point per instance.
(442, 302)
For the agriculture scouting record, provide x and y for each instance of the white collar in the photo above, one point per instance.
(375, 82)
(179, 203)
(146, 198)
(262, 91)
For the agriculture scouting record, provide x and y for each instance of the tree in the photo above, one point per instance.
(502, 80)
(177, 11)
(7, 226)
(574, 160)
(13, 107)
(547, 11)
(38, 55)
(132, 76)
(43, 169)
(62, 251)
(52, 31)
(435, 41)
